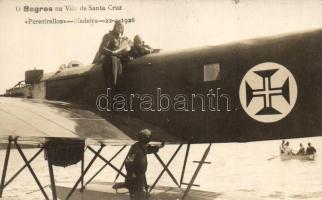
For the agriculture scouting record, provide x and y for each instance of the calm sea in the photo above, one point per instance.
(238, 171)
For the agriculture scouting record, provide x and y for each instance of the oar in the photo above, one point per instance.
(271, 158)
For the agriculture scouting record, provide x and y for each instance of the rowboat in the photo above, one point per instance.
(299, 157)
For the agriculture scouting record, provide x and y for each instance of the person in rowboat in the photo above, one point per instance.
(288, 150)
(310, 149)
(301, 150)
(282, 148)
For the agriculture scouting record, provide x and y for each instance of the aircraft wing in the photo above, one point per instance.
(34, 121)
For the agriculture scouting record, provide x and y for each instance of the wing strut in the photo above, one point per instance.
(121, 168)
(182, 191)
(85, 171)
(6, 161)
(194, 176)
(23, 167)
(202, 161)
(184, 164)
(165, 168)
(52, 179)
(82, 171)
(30, 169)
(96, 155)
(108, 163)
(27, 164)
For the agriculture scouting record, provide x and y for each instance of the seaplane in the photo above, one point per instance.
(252, 90)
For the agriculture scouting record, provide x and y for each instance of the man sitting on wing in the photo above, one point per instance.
(111, 51)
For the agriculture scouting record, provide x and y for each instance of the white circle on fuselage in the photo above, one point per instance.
(268, 92)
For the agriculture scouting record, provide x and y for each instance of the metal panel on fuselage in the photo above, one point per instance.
(182, 72)
(81, 88)
(300, 54)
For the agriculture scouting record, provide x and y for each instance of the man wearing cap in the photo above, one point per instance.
(140, 49)
(136, 164)
(109, 53)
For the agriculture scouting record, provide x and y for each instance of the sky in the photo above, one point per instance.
(164, 24)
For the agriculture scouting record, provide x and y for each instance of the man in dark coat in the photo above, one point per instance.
(109, 54)
(310, 149)
(301, 150)
(136, 164)
(140, 49)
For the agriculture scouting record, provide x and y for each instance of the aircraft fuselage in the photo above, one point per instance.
(204, 94)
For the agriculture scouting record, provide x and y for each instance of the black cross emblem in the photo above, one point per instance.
(267, 92)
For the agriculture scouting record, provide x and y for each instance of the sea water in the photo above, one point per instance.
(243, 171)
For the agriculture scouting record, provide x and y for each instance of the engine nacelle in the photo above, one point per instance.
(33, 76)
